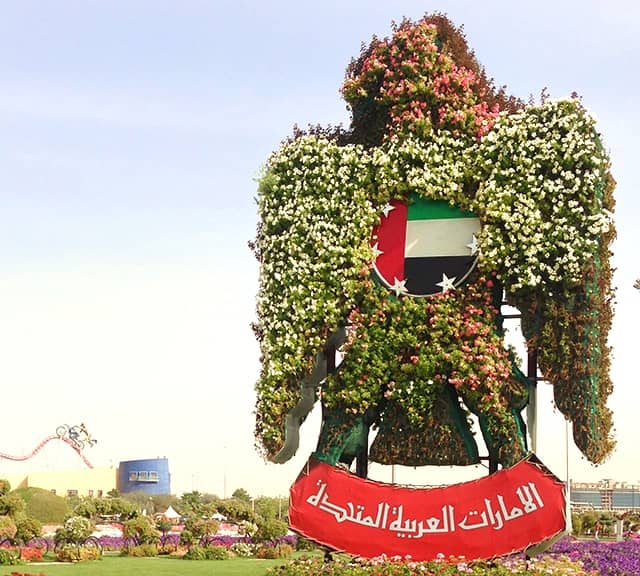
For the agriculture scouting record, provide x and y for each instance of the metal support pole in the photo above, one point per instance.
(532, 407)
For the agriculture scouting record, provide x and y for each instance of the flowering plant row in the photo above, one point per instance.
(427, 122)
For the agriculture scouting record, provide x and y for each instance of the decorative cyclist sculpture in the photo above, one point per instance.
(79, 435)
(396, 242)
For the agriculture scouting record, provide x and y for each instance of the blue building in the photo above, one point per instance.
(150, 476)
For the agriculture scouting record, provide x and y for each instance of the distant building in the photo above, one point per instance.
(605, 495)
(150, 476)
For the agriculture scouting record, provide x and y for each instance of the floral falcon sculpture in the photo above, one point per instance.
(529, 189)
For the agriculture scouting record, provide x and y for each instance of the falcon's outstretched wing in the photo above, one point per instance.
(546, 203)
(313, 244)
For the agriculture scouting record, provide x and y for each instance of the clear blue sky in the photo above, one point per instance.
(131, 133)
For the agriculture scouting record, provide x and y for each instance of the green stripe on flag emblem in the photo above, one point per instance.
(423, 209)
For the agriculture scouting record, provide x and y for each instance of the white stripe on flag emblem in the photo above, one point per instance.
(441, 237)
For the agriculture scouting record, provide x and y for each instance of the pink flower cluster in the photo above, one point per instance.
(420, 85)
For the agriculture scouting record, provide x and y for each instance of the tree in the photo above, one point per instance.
(27, 529)
(141, 530)
(5, 487)
(241, 494)
(236, 509)
(271, 529)
(201, 528)
(95, 508)
(164, 525)
(268, 507)
(11, 505)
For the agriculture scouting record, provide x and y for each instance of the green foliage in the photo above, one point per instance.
(187, 537)
(27, 528)
(197, 504)
(243, 550)
(163, 524)
(235, 509)
(76, 553)
(5, 487)
(268, 507)
(163, 501)
(271, 552)
(270, 529)
(141, 551)
(44, 506)
(7, 527)
(577, 523)
(95, 508)
(9, 557)
(241, 494)
(207, 553)
(587, 521)
(200, 527)
(246, 528)
(303, 544)
(12, 505)
(136, 501)
(141, 530)
(75, 531)
(86, 508)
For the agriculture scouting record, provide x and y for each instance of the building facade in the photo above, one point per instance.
(150, 476)
(605, 495)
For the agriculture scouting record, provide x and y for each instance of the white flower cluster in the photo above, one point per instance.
(436, 168)
(542, 172)
(314, 244)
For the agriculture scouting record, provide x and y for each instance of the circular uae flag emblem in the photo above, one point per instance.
(424, 247)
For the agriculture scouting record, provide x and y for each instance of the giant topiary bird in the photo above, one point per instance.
(517, 200)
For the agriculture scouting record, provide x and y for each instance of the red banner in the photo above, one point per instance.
(502, 513)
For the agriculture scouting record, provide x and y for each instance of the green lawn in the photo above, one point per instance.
(160, 566)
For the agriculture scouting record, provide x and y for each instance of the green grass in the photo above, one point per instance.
(160, 566)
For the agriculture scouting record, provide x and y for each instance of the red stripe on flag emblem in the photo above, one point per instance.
(390, 264)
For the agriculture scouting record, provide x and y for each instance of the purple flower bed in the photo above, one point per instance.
(608, 558)
(118, 542)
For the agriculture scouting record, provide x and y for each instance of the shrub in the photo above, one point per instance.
(141, 551)
(168, 548)
(217, 552)
(44, 506)
(207, 553)
(195, 553)
(31, 554)
(270, 529)
(75, 553)
(304, 544)
(75, 531)
(272, 552)
(27, 529)
(7, 527)
(243, 550)
(141, 530)
(9, 556)
(187, 537)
